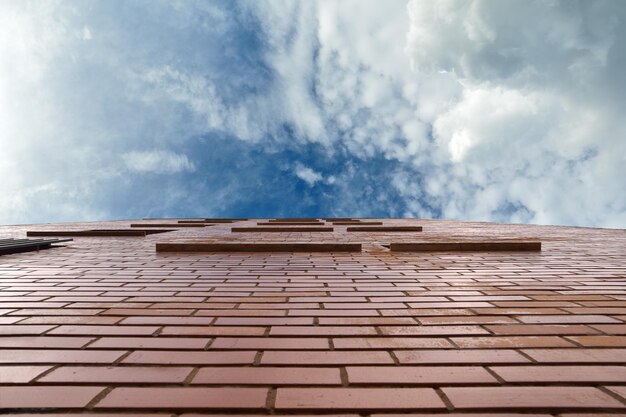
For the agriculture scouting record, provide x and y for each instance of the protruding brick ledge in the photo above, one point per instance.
(294, 219)
(168, 225)
(488, 246)
(282, 229)
(290, 224)
(257, 247)
(384, 228)
(356, 223)
(97, 232)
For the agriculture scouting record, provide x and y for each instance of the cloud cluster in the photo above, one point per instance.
(471, 109)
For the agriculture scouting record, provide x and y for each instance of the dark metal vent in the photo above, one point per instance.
(25, 245)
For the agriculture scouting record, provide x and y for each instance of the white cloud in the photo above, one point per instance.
(87, 33)
(307, 174)
(157, 161)
(493, 110)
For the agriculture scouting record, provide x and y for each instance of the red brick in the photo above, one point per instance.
(263, 321)
(390, 343)
(47, 397)
(322, 330)
(491, 342)
(114, 414)
(358, 398)
(530, 398)
(466, 320)
(600, 341)
(172, 357)
(20, 374)
(577, 355)
(419, 375)
(117, 375)
(460, 356)
(268, 376)
(559, 374)
(22, 329)
(541, 329)
(104, 330)
(365, 321)
(71, 320)
(432, 330)
(162, 321)
(15, 356)
(325, 358)
(487, 415)
(212, 331)
(41, 311)
(567, 318)
(44, 342)
(185, 398)
(149, 343)
(611, 328)
(267, 343)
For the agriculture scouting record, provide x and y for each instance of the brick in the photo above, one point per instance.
(416, 375)
(577, 355)
(460, 356)
(611, 328)
(560, 374)
(358, 398)
(15, 356)
(365, 321)
(384, 229)
(541, 329)
(258, 247)
(22, 329)
(282, 229)
(599, 341)
(43, 342)
(172, 357)
(489, 246)
(149, 343)
(104, 330)
(263, 321)
(117, 375)
(164, 321)
(567, 318)
(20, 374)
(185, 398)
(47, 397)
(491, 342)
(325, 358)
(322, 330)
(212, 331)
(268, 376)
(432, 330)
(71, 320)
(267, 343)
(487, 415)
(530, 398)
(390, 343)
(465, 320)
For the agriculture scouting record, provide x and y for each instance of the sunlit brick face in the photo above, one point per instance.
(314, 316)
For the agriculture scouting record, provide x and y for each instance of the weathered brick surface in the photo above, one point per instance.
(111, 327)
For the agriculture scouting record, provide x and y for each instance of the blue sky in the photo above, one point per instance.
(509, 111)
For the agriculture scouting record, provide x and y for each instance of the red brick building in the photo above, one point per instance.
(316, 316)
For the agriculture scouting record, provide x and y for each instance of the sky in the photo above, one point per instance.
(490, 110)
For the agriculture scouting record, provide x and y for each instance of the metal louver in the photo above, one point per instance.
(25, 245)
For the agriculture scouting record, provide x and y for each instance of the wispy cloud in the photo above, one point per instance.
(307, 175)
(158, 161)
